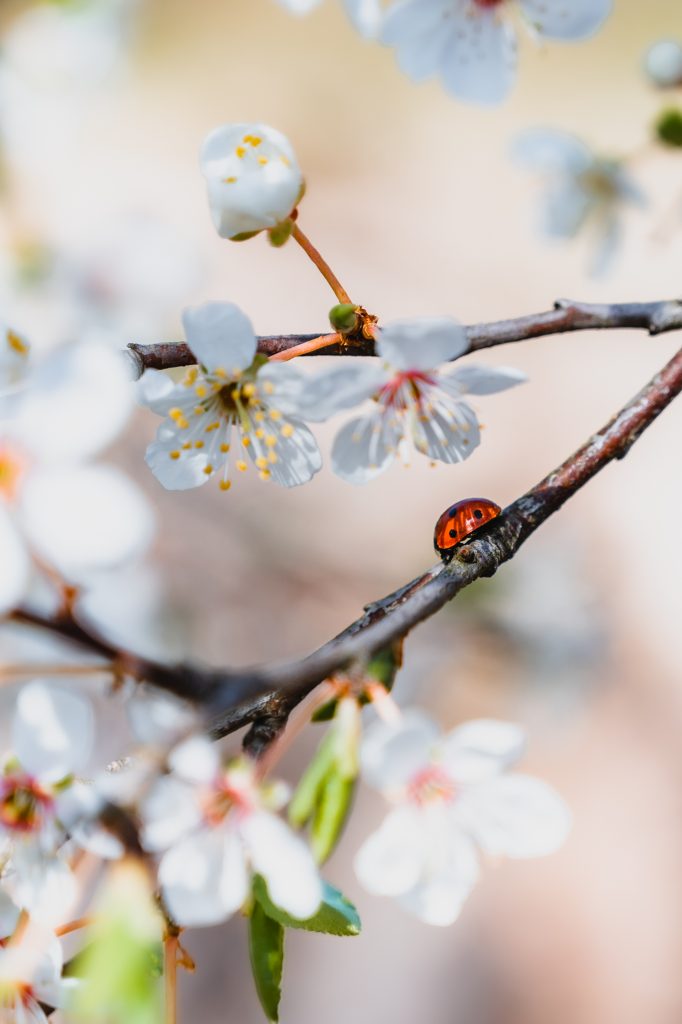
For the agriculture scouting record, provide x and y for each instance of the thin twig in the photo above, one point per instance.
(267, 694)
(320, 262)
(654, 317)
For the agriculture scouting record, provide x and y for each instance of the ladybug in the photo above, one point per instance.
(461, 520)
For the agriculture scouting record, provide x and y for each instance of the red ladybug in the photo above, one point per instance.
(459, 521)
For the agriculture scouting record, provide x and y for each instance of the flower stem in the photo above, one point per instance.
(9, 672)
(321, 264)
(74, 926)
(306, 347)
(170, 973)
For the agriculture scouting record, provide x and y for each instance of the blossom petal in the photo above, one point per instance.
(393, 752)
(175, 472)
(566, 19)
(192, 879)
(420, 33)
(285, 862)
(486, 380)
(439, 897)
(421, 344)
(9, 915)
(159, 392)
(53, 731)
(15, 565)
(447, 431)
(549, 150)
(85, 518)
(365, 15)
(515, 816)
(169, 811)
(220, 336)
(318, 396)
(480, 749)
(196, 760)
(42, 884)
(156, 717)
(365, 446)
(479, 64)
(298, 457)
(390, 861)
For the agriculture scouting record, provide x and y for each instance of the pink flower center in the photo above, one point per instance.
(488, 3)
(223, 797)
(24, 803)
(404, 386)
(432, 784)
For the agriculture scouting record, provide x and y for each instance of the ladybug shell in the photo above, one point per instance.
(461, 520)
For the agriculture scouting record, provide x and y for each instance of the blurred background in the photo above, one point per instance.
(413, 200)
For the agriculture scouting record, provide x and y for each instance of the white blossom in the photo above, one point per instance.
(52, 738)
(230, 399)
(663, 63)
(453, 798)
(411, 397)
(471, 44)
(218, 828)
(365, 15)
(581, 189)
(253, 179)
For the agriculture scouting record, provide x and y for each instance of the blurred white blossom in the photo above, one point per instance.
(232, 397)
(471, 44)
(252, 176)
(411, 398)
(30, 970)
(453, 798)
(365, 15)
(663, 63)
(218, 828)
(581, 189)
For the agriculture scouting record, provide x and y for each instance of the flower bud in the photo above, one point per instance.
(668, 127)
(344, 317)
(253, 179)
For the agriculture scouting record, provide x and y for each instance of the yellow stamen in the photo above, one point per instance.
(224, 448)
(275, 414)
(200, 391)
(287, 430)
(260, 433)
(174, 455)
(225, 485)
(241, 466)
(229, 181)
(261, 462)
(249, 390)
(262, 160)
(271, 440)
(246, 441)
(273, 457)
(241, 152)
(198, 444)
(208, 469)
(265, 474)
(16, 343)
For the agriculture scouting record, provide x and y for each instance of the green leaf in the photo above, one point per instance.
(385, 664)
(669, 127)
(309, 788)
(331, 814)
(266, 949)
(336, 916)
(119, 965)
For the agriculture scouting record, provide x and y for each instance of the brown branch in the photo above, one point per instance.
(654, 317)
(265, 695)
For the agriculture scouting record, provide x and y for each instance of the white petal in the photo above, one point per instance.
(393, 752)
(448, 430)
(158, 391)
(220, 336)
(663, 63)
(566, 19)
(550, 150)
(318, 396)
(169, 812)
(515, 815)
(391, 861)
(365, 447)
(155, 717)
(79, 400)
(175, 473)
(285, 862)
(421, 344)
(191, 876)
(487, 380)
(564, 208)
(479, 64)
(234, 881)
(365, 15)
(15, 565)
(196, 760)
(480, 749)
(421, 32)
(53, 731)
(298, 457)
(440, 895)
(44, 885)
(299, 6)
(88, 518)
(9, 915)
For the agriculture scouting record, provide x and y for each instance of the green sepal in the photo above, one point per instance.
(331, 814)
(336, 916)
(309, 788)
(266, 951)
(281, 233)
(668, 127)
(344, 317)
(244, 236)
(326, 711)
(385, 664)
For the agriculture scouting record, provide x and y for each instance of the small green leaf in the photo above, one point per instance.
(336, 916)
(308, 791)
(326, 712)
(669, 127)
(385, 664)
(266, 949)
(331, 814)
(281, 233)
(243, 236)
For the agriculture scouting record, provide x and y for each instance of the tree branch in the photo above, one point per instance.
(266, 695)
(654, 317)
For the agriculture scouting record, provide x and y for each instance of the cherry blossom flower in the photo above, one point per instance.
(52, 738)
(663, 63)
(471, 44)
(581, 189)
(410, 397)
(253, 179)
(30, 970)
(365, 15)
(231, 395)
(218, 828)
(453, 798)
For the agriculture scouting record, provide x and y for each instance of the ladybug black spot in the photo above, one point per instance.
(453, 533)
(478, 514)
